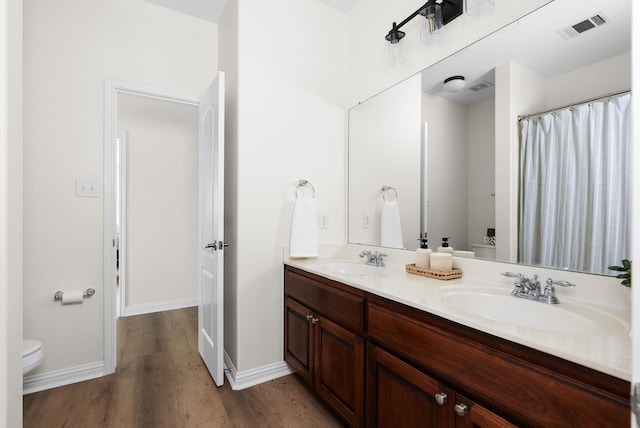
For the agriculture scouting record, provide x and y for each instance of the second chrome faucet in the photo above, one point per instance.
(529, 288)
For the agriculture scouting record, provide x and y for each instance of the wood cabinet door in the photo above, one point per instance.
(339, 369)
(298, 340)
(473, 415)
(399, 395)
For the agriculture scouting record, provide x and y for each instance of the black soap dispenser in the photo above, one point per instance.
(445, 248)
(423, 254)
(423, 241)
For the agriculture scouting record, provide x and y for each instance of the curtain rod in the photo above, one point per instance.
(579, 103)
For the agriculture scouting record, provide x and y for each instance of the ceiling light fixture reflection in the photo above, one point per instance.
(454, 83)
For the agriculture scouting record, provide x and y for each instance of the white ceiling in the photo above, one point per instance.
(211, 10)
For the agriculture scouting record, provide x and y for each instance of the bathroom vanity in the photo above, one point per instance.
(379, 360)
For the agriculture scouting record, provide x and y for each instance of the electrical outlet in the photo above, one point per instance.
(366, 220)
(86, 188)
(324, 221)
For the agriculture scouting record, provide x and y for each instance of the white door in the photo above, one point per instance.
(211, 229)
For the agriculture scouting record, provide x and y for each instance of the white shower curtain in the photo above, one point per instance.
(575, 187)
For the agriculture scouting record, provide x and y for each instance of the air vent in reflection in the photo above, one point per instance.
(482, 85)
(582, 26)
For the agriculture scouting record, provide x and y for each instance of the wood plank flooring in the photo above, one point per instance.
(162, 382)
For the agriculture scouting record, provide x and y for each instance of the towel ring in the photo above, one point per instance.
(384, 192)
(303, 183)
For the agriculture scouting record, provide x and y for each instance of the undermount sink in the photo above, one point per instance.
(360, 269)
(500, 306)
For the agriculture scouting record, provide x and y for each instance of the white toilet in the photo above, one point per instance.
(31, 355)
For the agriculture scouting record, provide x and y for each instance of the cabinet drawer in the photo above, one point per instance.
(526, 392)
(326, 298)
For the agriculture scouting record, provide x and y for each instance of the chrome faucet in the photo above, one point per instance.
(529, 288)
(373, 258)
(523, 286)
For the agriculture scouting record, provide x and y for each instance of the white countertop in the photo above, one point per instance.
(607, 348)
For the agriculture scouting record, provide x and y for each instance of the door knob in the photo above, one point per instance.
(213, 245)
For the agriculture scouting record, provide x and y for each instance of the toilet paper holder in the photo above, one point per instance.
(86, 293)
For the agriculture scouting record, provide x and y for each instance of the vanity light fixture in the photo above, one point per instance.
(479, 7)
(436, 13)
(396, 53)
(454, 83)
(431, 27)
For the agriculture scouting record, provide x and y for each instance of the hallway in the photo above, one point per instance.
(162, 382)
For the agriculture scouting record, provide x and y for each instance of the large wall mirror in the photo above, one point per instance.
(449, 161)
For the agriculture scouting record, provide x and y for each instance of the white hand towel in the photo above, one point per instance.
(304, 229)
(390, 227)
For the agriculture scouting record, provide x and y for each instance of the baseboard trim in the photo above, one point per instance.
(167, 305)
(54, 379)
(249, 378)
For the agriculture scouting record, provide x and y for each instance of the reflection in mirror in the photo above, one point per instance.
(575, 180)
(462, 169)
(384, 150)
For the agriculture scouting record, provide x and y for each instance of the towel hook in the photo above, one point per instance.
(384, 192)
(303, 183)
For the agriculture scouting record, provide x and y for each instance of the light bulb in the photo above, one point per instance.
(431, 27)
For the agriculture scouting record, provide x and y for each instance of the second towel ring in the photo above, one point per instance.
(387, 188)
(303, 183)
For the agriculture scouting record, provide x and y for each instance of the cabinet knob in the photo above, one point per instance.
(461, 409)
(309, 316)
(441, 398)
(315, 320)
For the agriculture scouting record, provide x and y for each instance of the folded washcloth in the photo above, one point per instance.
(304, 229)
(390, 227)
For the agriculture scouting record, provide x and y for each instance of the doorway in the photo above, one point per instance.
(156, 219)
(130, 103)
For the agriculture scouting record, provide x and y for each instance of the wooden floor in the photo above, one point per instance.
(162, 382)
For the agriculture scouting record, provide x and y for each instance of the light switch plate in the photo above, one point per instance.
(86, 188)
(366, 220)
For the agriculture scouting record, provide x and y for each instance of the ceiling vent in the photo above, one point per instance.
(582, 26)
(482, 85)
